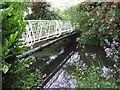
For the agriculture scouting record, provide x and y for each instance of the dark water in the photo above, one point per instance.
(50, 58)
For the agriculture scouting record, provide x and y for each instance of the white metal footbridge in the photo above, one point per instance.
(40, 30)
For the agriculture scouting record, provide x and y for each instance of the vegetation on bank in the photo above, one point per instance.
(99, 23)
(93, 77)
(97, 20)
(18, 72)
(13, 25)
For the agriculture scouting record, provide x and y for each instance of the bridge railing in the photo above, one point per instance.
(39, 30)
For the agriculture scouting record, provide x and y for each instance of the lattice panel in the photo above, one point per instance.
(39, 30)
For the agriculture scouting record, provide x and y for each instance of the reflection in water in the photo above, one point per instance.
(50, 58)
(61, 80)
(94, 54)
(47, 55)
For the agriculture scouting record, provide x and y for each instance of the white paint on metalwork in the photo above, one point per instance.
(40, 30)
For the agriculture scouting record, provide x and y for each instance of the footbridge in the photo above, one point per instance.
(41, 30)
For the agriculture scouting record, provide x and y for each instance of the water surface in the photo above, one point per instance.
(50, 58)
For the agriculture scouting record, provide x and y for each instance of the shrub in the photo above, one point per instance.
(91, 77)
(16, 73)
(97, 21)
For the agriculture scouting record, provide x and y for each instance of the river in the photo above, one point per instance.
(49, 61)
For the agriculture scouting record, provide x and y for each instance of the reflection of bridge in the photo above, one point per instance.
(40, 30)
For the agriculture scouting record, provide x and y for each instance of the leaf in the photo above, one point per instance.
(5, 68)
(9, 65)
(5, 45)
(6, 53)
(6, 42)
(16, 34)
(11, 39)
(8, 56)
(26, 65)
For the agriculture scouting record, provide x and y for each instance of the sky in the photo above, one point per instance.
(63, 4)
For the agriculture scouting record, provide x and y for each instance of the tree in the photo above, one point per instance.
(41, 11)
(97, 21)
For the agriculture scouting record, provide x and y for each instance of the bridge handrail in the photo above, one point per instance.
(39, 30)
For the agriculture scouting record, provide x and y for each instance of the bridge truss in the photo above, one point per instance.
(40, 30)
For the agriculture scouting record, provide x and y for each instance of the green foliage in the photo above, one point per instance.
(20, 75)
(41, 12)
(13, 25)
(16, 72)
(90, 77)
(33, 79)
(97, 21)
